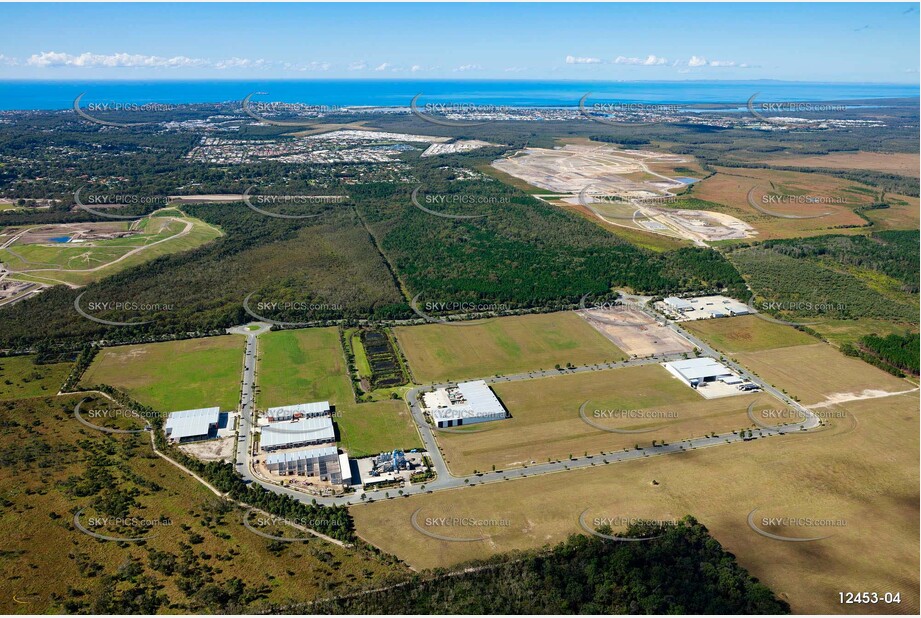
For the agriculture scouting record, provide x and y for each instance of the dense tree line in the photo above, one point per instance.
(897, 354)
(834, 276)
(893, 253)
(684, 571)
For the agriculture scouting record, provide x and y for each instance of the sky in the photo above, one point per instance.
(829, 42)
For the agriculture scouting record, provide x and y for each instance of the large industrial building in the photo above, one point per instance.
(298, 411)
(294, 434)
(677, 304)
(704, 307)
(192, 425)
(464, 404)
(325, 463)
(697, 371)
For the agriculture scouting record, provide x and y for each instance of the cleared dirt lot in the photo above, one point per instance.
(864, 473)
(818, 373)
(211, 450)
(635, 332)
(546, 420)
(573, 167)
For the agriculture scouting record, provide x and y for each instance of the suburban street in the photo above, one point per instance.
(445, 480)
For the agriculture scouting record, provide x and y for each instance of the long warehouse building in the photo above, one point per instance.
(324, 463)
(301, 410)
(304, 432)
(192, 425)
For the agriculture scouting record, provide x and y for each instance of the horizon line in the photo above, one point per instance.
(445, 79)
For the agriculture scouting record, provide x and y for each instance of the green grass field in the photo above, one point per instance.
(75, 263)
(545, 422)
(298, 366)
(439, 352)
(747, 333)
(174, 375)
(21, 378)
(43, 446)
(361, 357)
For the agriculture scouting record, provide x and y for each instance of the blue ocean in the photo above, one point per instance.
(51, 95)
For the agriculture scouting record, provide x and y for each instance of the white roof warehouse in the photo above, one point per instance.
(301, 410)
(478, 404)
(306, 431)
(188, 425)
(696, 370)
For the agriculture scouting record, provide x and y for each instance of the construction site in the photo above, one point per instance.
(634, 331)
(620, 187)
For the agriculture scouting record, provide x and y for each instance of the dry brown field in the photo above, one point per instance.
(546, 422)
(862, 470)
(903, 163)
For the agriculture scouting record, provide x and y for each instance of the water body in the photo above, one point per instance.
(687, 180)
(54, 95)
(59, 239)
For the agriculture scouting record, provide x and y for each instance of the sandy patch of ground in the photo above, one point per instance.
(636, 333)
(210, 450)
(706, 225)
(867, 393)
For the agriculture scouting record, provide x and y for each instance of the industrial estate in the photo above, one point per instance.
(467, 346)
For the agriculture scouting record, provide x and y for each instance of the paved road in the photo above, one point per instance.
(247, 395)
(445, 480)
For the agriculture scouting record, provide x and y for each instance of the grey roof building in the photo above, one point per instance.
(189, 425)
(292, 434)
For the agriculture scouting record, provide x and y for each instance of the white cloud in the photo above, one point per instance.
(8, 61)
(361, 65)
(416, 68)
(54, 59)
(87, 59)
(310, 66)
(240, 63)
(515, 69)
(651, 60)
(469, 67)
(385, 66)
(701, 61)
(578, 60)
